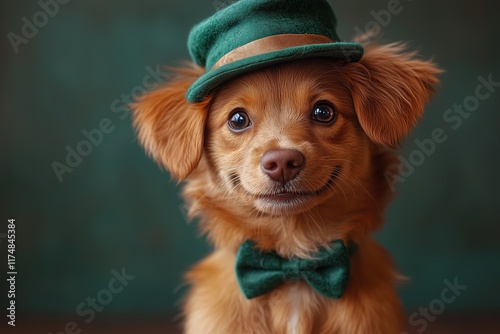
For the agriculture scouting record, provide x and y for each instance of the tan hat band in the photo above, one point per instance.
(270, 44)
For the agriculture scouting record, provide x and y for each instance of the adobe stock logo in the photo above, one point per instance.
(87, 309)
(29, 28)
(94, 137)
(449, 294)
(382, 19)
(453, 118)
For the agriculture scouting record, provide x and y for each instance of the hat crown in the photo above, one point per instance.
(252, 34)
(249, 20)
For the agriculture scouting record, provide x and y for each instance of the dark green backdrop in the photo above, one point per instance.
(116, 209)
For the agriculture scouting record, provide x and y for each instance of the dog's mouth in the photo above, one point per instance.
(287, 194)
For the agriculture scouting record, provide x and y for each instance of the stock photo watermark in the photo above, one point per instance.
(453, 117)
(88, 308)
(92, 138)
(382, 18)
(11, 271)
(31, 26)
(420, 319)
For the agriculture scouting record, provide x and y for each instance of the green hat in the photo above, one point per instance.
(251, 34)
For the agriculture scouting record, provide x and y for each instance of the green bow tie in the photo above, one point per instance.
(259, 272)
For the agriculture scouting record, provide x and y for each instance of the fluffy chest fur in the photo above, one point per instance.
(294, 307)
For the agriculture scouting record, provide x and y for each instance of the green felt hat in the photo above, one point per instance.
(251, 34)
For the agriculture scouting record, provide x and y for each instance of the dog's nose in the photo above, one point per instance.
(282, 165)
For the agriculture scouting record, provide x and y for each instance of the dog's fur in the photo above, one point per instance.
(378, 100)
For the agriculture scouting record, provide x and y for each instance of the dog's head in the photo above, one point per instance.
(291, 137)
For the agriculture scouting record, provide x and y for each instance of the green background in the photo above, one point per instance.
(118, 209)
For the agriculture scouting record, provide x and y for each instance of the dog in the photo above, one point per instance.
(279, 161)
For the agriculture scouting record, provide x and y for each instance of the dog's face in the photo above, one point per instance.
(284, 139)
(288, 138)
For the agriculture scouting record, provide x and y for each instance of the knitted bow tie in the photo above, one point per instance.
(259, 272)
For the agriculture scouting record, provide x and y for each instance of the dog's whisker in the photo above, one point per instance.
(313, 212)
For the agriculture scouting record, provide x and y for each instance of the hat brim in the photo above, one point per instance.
(343, 51)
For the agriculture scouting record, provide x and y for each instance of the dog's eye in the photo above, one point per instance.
(324, 113)
(238, 120)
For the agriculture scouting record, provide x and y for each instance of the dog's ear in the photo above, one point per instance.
(171, 129)
(389, 90)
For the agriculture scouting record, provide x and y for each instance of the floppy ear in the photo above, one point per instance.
(171, 129)
(389, 90)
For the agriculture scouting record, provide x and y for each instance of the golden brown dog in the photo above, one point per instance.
(292, 157)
